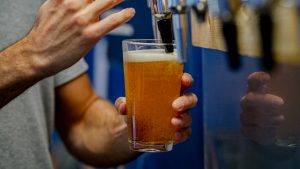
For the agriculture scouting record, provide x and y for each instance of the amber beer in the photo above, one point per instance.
(152, 81)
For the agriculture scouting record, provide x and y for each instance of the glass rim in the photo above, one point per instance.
(146, 42)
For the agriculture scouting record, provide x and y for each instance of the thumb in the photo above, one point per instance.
(120, 104)
(258, 82)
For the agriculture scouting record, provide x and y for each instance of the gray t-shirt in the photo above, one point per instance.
(26, 122)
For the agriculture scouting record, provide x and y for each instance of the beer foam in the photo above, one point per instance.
(149, 55)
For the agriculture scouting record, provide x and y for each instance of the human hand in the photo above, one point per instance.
(261, 114)
(181, 105)
(65, 30)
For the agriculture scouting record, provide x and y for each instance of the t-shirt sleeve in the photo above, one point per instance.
(70, 73)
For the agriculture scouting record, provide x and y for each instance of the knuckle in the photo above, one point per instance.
(88, 34)
(80, 20)
(71, 5)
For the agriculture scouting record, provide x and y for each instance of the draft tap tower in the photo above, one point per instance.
(170, 22)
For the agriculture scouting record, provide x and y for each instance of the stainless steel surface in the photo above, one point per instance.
(180, 26)
(180, 9)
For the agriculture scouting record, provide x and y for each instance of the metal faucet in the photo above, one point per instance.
(170, 22)
(162, 22)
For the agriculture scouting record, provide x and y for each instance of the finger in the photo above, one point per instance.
(261, 102)
(96, 8)
(257, 82)
(186, 81)
(120, 104)
(261, 121)
(182, 135)
(182, 121)
(99, 29)
(185, 102)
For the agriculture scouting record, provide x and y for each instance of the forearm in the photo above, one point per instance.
(101, 138)
(17, 71)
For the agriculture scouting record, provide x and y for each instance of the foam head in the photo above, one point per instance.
(150, 55)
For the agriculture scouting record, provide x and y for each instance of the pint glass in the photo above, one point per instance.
(152, 83)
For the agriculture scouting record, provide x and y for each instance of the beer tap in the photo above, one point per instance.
(179, 10)
(226, 10)
(263, 8)
(170, 18)
(162, 22)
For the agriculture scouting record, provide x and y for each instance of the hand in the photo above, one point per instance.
(261, 115)
(181, 105)
(66, 30)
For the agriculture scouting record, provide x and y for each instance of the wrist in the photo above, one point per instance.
(34, 59)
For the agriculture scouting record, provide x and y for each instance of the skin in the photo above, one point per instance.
(65, 30)
(91, 127)
(261, 115)
(96, 133)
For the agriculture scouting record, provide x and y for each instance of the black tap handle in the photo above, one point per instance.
(230, 36)
(266, 34)
(166, 33)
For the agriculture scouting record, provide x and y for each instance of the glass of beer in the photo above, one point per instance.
(152, 82)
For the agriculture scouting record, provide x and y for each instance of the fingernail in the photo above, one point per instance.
(120, 109)
(178, 105)
(132, 10)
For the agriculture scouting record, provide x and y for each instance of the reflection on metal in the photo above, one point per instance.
(265, 131)
(283, 44)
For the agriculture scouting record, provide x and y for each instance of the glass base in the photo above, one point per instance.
(150, 146)
(288, 142)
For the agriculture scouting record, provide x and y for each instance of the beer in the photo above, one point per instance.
(152, 81)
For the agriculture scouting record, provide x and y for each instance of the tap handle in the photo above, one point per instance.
(263, 8)
(229, 29)
(166, 33)
(266, 33)
(228, 9)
